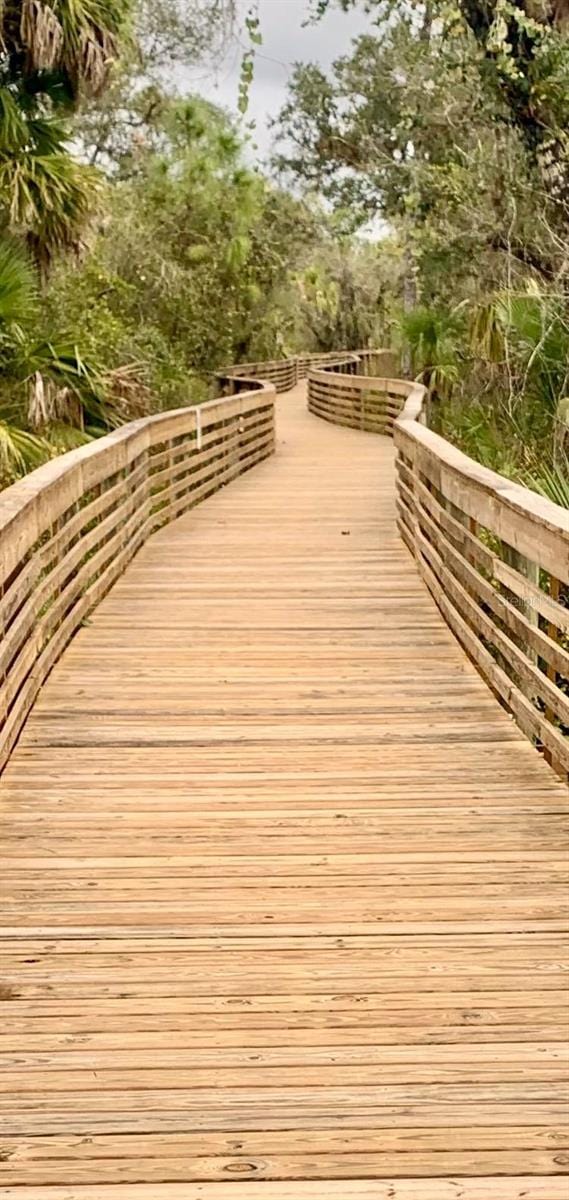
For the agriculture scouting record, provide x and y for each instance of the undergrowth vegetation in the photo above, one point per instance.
(449, 121)
(419, 197)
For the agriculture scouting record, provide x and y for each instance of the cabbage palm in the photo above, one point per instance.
(550, 481)
(20, 449)
(65, 44)
(18, 293)
(51, 54)
(434, 339)
(529, 331)
(44, 192)
(52, 397)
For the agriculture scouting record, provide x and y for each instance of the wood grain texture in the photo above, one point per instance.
(494, 554)
(368, 402)
(68, 530)
(284, 887)
(512, 1188)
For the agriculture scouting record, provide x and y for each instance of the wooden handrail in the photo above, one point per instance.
(339, 393)
(69, 528)
(494, 554)
(284, 373)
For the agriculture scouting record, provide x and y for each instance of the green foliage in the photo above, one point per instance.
(20, 451)
(504, 366)
(194, 264)
(449, 122)
(434, 338)
(550, 481)
(50, 56)
(65, 44)
(522, 56)
(343, 295)
(528, 331)
(53, 394)
(18, 291)
(253, 28)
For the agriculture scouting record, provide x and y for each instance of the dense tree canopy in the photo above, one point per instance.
(185, 256)
(429, 207)
(449, 122)
(523, 55)
(194, 248)
(51, 56)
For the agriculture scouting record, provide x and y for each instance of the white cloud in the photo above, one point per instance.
(285, 41)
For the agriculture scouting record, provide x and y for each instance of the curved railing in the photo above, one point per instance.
(284, 373)
(345, 395)
(69, 528)
(494, 554)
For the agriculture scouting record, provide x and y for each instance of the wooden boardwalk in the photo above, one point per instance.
(284, 886)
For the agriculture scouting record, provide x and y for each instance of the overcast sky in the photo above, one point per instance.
(285, 42)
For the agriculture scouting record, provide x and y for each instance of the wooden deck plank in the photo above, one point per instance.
(486, 1188)
(267, 1166)
(284, 899)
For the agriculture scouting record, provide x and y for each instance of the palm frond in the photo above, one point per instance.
(65, 387)
(77, 38)
(550, 481)
(41, 34)
(20, 451)
(13, 123)
(49, 197)
(487, 333)
(18, 292)
(63, 437)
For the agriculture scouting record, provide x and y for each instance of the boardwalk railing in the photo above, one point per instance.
(69, 528)
(284, 373)
(345, 395)
(494, 554)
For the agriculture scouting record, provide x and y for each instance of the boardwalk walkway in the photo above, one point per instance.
(283, 886)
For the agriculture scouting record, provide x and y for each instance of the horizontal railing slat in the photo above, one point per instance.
(68, 529)
(495, 555)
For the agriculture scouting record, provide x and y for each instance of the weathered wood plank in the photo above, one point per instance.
(283, 893)
(486, 1188)
(267, 1166)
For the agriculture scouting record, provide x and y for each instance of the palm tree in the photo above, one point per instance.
(70, 44)
(20, 449)
(52, 396)
(51, 56)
